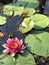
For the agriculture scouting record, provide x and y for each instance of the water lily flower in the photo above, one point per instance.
(13, 46)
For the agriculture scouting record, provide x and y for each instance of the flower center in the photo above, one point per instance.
(14, 45)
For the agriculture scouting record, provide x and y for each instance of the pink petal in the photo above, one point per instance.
(17, 40)
(20, 44)
(6, 51)
(21, 41)
(5, 45)
(23, 47)
(10, 41)
(11, 50)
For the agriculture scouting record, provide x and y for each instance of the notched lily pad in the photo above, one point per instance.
(26, 25)
(38, 43)
(41, 21)
(2, 20)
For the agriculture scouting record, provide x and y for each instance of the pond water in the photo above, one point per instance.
(11, 28)
(46, 8)
(5, 1)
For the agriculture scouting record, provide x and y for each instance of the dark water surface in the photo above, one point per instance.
(11, 27)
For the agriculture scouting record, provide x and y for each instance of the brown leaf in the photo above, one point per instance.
(1, 34)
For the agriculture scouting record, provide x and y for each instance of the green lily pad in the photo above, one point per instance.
(41, 21)
(23, 0)
(38, 43)
(19, 11)
(29, 11)
(6, 60)
(25, 59)
(21, 3)
(2, 20)
(8, 12)
(8, 9)
(32, 4)
(28, 3)
(26, 25)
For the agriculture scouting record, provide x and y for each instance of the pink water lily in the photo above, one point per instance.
(13, 46)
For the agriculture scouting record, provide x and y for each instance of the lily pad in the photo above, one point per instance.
(8, 9)
(18, 11)
(2, 20)
(32, 3)
(38, 43)
(8, 12)
(26, 25)
(6, 60)
(21, 3)
(25, 59)
(29, 3)
(29, 11)
(41, 21)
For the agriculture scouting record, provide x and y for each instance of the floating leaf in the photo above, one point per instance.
(24, 0)
(29, 11)
(2, 20)
(8, 9)
(41, 21)
(32, 4)
(26, 25)
(19, 10)
(21, 3)
(8, 12)
(6, 60)
(25, 59)
(38, 43)
(28, 3)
